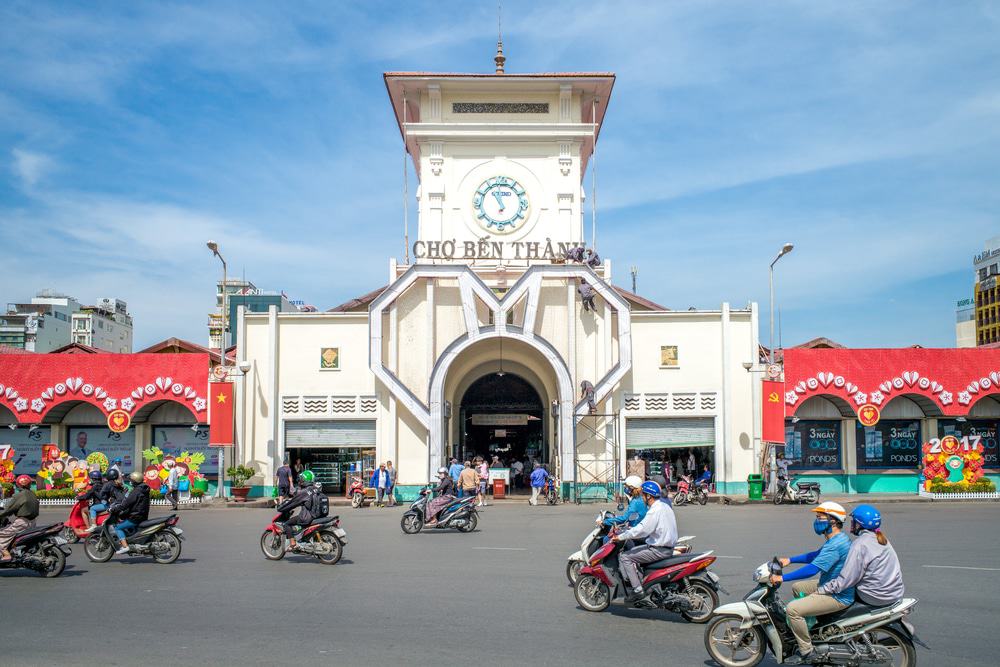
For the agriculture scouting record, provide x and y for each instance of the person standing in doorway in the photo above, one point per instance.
(483, 472)
(391, 491)
(516, 473)
(297, 470)
(468, 481)
(679, 466)
(692, 464)
(380, 482)
(539, 477)
(173, 483)
(283, 480)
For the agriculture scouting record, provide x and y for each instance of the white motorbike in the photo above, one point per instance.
(595, 538)
(741, 633)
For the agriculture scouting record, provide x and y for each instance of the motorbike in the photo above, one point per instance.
(741, 633)
(75, 529)
(323, 538)
(550, 491)
(358, 494)
(681, 584)
(460, 513)
(159, 538)
(595, 538)
(804, 492)
(41, 549)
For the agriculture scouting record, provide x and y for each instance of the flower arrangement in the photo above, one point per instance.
(954, 466)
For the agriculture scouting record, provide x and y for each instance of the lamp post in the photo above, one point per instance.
(220, 492)
(785, 249)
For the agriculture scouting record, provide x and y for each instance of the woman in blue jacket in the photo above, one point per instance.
(636, 509)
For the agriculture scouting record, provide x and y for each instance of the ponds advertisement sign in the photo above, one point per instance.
(813, 445)
(892, 443)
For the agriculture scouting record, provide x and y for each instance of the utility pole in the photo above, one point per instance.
(635, 274)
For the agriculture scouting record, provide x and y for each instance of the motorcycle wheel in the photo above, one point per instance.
(591, 593)
(776, 497)
(98, 549)
(899, 645)
(705, 597)
(411, 524)
(69, 535)
(357, 500)
(273, 545)
(470, 524)
(680, 499)
(166, 556)
(703, 498)
(724, 641)
(573, 571)
(56, 564)
(813, 497)
(336, 548)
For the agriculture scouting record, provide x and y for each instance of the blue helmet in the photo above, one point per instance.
(651, 489)
(867, 517)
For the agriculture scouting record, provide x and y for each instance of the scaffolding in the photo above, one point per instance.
(596, 457)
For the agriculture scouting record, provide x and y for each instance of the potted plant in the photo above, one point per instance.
(239, 475)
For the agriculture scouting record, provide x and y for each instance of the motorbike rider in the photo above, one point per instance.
(91, 496)
(112, 492)
(116, 465)
(24, 508)
(659, 527)
(302, 499)
(133, 510)
(636, 510)
(827, 562)
(872, 566)
(446, 491)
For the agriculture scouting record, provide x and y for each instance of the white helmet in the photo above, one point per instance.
(442, 471)
(836, 510)
(633, 481)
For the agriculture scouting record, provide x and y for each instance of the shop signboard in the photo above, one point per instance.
(84, 440)
(813, 445)
(176, 439)
(27, 447)
(891, 443)
(499, 420)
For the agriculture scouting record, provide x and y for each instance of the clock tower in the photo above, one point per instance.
(500, 160)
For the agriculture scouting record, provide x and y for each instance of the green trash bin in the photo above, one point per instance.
(755, 487)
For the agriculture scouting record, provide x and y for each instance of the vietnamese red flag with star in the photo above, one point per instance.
(773, 408)
(220, 414)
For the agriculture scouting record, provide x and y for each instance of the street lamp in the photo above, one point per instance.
(785, 249)
(214, 247)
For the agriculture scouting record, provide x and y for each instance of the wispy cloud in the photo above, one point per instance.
(30, 167)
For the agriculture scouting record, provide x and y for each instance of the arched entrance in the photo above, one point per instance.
(502, 415)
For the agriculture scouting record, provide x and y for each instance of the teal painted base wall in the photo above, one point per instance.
(732, 488)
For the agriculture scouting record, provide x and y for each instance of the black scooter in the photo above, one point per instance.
(159, 538)
(39, 549)
(460, 513)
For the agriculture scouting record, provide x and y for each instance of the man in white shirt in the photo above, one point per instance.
(173, 483)
(659, 527)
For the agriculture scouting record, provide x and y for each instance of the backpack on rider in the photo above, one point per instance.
(320, 505)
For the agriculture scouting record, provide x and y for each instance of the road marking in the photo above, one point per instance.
(962, 567)
(501, 548)
(730, 557)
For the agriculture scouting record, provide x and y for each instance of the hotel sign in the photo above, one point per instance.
(499, 420)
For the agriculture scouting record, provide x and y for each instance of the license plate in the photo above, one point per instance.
(340, 532)
(713, 576)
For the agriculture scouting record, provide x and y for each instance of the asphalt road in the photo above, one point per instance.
(497, 596)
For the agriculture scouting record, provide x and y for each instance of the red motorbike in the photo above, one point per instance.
(681, 584)
(323, 538)
(75, 529)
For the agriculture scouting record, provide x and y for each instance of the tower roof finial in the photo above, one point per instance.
(499, 58)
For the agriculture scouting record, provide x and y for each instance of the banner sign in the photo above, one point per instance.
(773, 417)
(813, 445)
(221, 422)
(985, 429)
(84, 440)
(892, 443)
(27, 447)
(174, 440)
(499, 420)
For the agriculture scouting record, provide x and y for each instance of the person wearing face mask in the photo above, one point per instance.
(872, 566)
(827, 562)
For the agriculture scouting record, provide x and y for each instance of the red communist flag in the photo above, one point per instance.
(773, 417)
(220, 415)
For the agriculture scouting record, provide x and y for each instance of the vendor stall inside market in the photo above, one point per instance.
(857, 420)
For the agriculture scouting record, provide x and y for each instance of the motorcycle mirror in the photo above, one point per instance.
(620, 507)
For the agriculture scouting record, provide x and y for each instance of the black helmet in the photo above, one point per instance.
(112, 475)
(95, 476)
(135, 477)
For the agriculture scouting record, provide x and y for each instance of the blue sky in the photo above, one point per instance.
(866, 133)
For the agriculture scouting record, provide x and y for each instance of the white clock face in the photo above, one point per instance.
(501, 204)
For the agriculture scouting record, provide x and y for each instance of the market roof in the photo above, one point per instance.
(78, 348)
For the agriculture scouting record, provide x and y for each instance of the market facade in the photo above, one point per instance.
(482, 339)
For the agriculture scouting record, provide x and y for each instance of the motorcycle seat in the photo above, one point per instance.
(39, 530)
(153, 522)
(667, 562)
(324, 520)
(803, 486)
(855, 609)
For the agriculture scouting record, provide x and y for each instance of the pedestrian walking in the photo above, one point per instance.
(468, 481)
(483, 472)
(539, 477)
(173, 483)
(380, 482)
(454, 470)
(517, 472)
(392, 483)
(283, 480)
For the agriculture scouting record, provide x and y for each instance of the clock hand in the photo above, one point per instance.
(496, 195)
